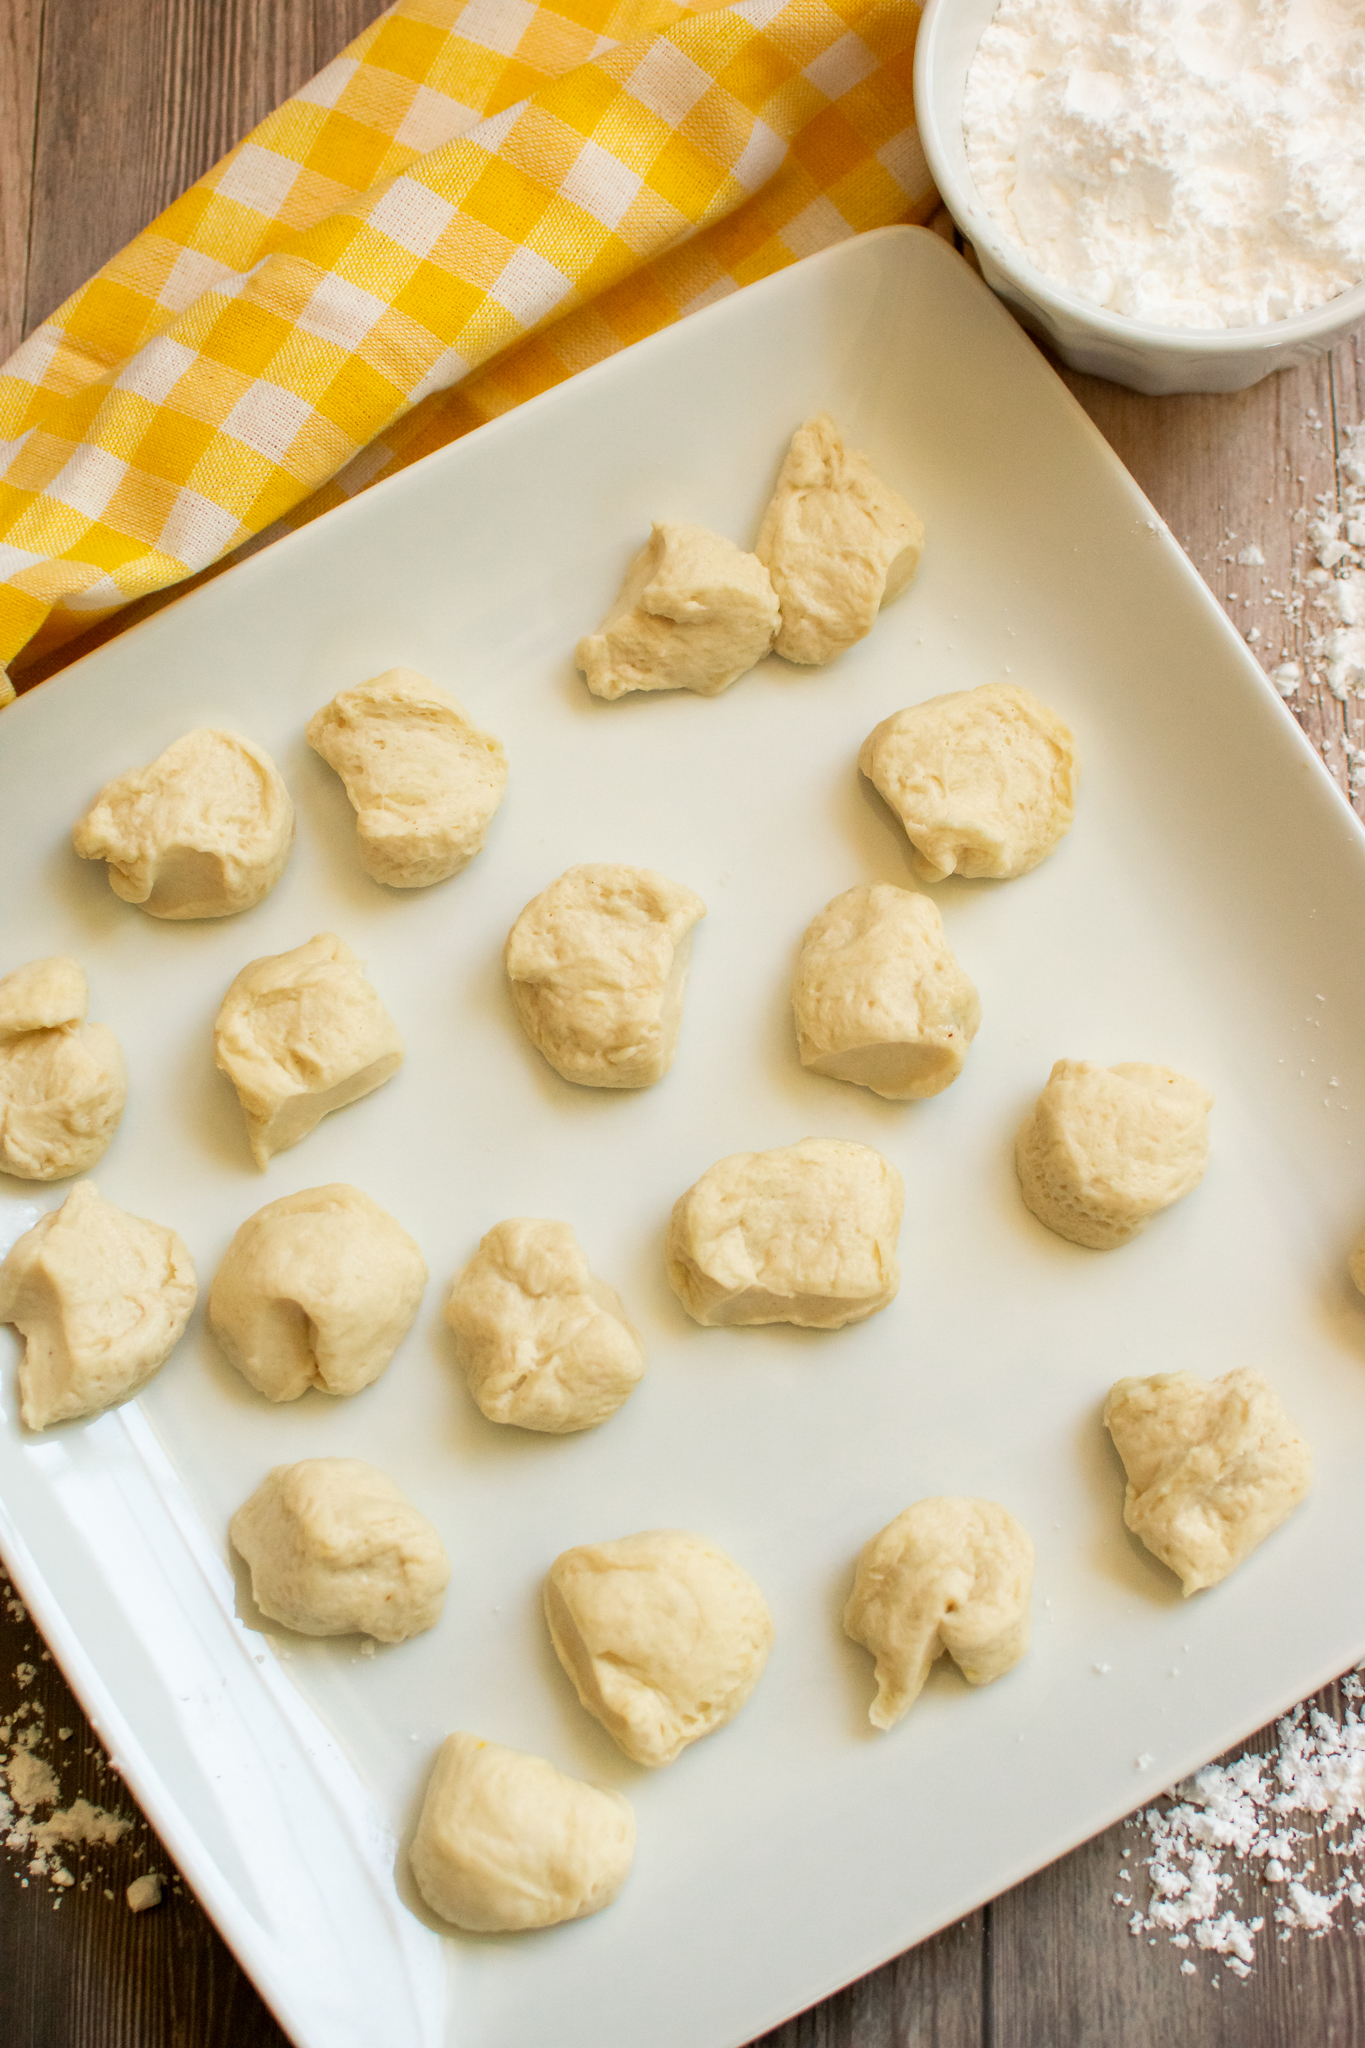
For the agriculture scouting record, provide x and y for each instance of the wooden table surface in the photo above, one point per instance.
(106, 112)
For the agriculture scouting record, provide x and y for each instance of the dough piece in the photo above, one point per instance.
(43, 996)
(424, 780)
(204, 831)
(694, 613)
(948, 1574)
(63, 1083)
(879, 998)
(335, 1549)
(506, 1841)
(805, 1234)
(543, 1343)
(100, 1298)
(318, 1289)
(1105, 1148)
(984, 781)
(597, 964)
(662, 1634)
(301, 1034)
(1213, 1466)
(837, 541)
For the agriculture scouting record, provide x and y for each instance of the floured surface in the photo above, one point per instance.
(1212, 887)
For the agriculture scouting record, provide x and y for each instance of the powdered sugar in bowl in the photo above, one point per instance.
(1271, 231)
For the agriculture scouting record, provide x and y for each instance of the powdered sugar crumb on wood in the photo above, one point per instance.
(43, 1830)
(1336, 537)
(1295, 590)
(1263, 1848)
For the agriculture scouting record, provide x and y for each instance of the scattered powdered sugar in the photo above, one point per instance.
(1310, 635)
(1194, 167)
(43, 1836)
(32, 1782)
(1262, 1848)
(145, 1891)
(38, 1841)
(1337, 539)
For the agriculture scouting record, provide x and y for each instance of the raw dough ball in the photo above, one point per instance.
(335, 1549)
(1213, 1466)
(838, 542)
(984, 781)
(301, 1034)
(43, 996)
(694, 613)
(1105, 1148)
(318, 1289)
(948, 1574)
(805, 1234)
(543, 1343)
(878, 996)
(204, 831)
(662, 1634)
(425, 782)
(597, 964)
(100, 1298)
(63, 1083)
(506, 1841)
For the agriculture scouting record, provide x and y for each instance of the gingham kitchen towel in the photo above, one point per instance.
(478, 198)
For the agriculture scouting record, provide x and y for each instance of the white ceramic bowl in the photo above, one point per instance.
(1132, 352)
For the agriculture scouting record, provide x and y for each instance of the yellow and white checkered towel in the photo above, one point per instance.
(478, 198)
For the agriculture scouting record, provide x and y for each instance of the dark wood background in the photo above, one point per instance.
(108, 109)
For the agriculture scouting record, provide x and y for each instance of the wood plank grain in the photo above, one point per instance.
(338, 22)
(77, 1968)
(1066, 1970)
(21, 28)
(1348, 412)
(931, 1997)
(136, 101)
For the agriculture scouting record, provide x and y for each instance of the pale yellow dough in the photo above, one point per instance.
(879, 997)
(837, 541)
(1213, 1467)
(662, 1634)
(949, 1574)
(694, 613)
(100, 1298)
(335, 1549)
(203, 831)
(805, 1234)
(597, 964)
(506, 1842)
(63, 1083)
(300, 1034)
(543, 1342)
(424, 780)
(1106, 1148)
(43, 996)
(316, 1290)
(984, 781)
